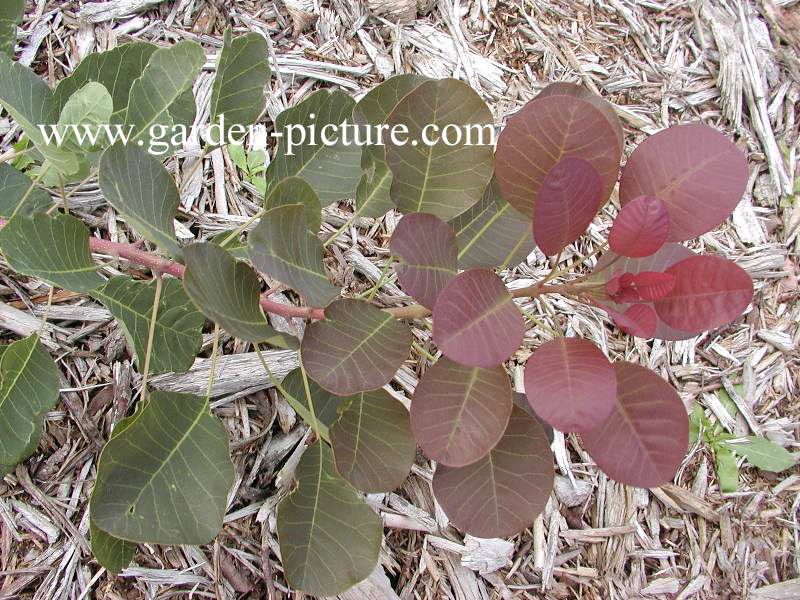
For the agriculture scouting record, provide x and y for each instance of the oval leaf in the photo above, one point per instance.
(226, 291)
(372, 195)
(138, 186)
(504, 492)
(644, 439)
(242, 74)
(710, 291)
(641, 227)
(694, 170)
(570, 384)
(332, 170)
(562, 88)
(545, 131)
(282, 246)
(29, 386)
(442, 179)
(55, 249)
(475, 321)
(459, 413)
(357, 348)
(165, 478)
(178, 329)
(112, 553)
(427, 249)
(492, 233)
(568, 200)
(372, 442)
(639, 320)
(329, 537)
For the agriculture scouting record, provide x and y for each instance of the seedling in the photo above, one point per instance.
(165, 473)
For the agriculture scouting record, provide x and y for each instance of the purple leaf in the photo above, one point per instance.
(459, 413)
(570, 384)
(644, 439)
(428, 252)
(475, 321)
(694, 170)
(569, 198)
(641, 227)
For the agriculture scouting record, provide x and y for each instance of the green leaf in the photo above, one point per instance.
(242, 74)
(727, 471)
(440, 178)
(168, 74)
(372, 442)
(11, 12)
(696, 421)
(237, 247)
(115, 69)
(236, 152)
(137, 185)
(282, 246)
(294, 190)
(165, 478)
(13, 187)
(356, 348)
(30, 103)
(333, 171)
(329, 537)
(112, 553)
(762, 453)
(326, 405)
(372, 195)
(90, 106)
(29, 385)
(177, 336)
(227, 292)
(55, 249)
(492, 233)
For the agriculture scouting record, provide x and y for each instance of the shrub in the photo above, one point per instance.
(164, 474)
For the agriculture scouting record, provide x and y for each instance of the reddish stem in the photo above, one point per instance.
(164, 265)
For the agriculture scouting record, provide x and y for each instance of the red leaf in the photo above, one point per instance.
(611, 265)
(694, 170)
(652, 285)
(639, 320)
(570, 384)
(459, 413)
(644, 439)
(429, 253)
(709, 292)
(641, 227)
(475, 321)
(569, 198)
(546, 130)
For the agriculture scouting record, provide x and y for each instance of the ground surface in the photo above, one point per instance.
(732, 64)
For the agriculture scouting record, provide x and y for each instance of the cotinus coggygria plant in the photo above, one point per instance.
(469, 211)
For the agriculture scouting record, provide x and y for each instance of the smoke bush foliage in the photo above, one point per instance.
(165, 474)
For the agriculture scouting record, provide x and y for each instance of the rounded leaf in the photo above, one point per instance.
(641, 227)
(356, 348)
(444, 179)
(644, 439)
(326, 405)
(639, 320)
(541, 134)
(570, 384)
(372, 442)
(709, 291)
(502, 493)
(428, 252)
(475, 321)
(697, 172)
(459, 413)
(568, 200)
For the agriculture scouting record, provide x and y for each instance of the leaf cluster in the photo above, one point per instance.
(164, 474)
